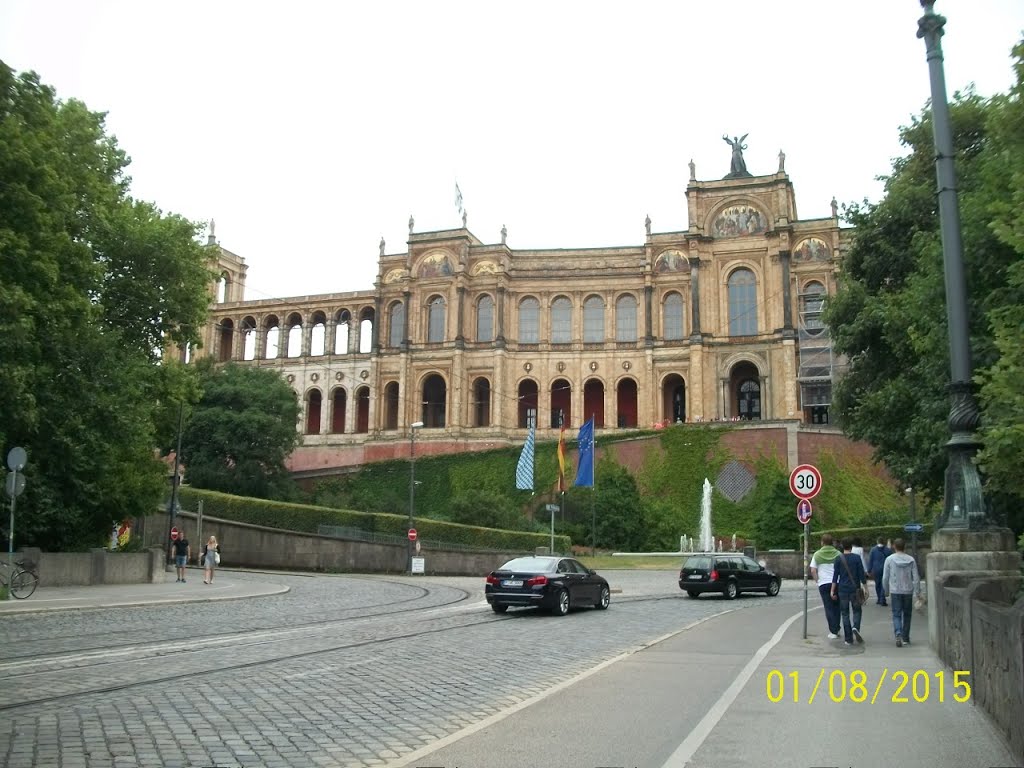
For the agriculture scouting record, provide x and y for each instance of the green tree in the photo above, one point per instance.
(619, 510)
(93, 283)
(889, 317)
(241, 431)
(488, 510)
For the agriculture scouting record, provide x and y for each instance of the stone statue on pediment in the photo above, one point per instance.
(647, 224)
(382, 246)
(412, 223)
(738, 167)
(504, 234)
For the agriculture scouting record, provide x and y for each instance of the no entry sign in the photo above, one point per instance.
(174, 534)
(412, 534)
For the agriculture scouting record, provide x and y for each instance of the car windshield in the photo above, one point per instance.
(699, 563)
(530, 565)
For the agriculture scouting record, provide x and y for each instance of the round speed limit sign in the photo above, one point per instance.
(805, 481)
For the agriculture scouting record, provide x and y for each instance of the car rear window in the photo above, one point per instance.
(698, 563)
(534, 564)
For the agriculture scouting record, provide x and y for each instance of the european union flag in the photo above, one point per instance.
(585, 470)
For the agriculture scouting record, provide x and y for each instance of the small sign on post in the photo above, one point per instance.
(412, 534)
(803, 511)
(913, 527)
(418, 565)
(805, 481)
(174, 533)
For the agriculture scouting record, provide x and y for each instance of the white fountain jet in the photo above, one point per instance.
(707, 542)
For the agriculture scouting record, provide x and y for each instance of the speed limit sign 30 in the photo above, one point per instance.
(805, 481)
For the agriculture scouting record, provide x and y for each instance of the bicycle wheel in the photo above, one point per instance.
(23, 584)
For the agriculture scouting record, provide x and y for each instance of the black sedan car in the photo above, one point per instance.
(727, 574)
(554, 583)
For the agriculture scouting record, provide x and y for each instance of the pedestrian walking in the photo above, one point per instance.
(849, 582)
(822, 568)
(876, 562)
(901, 581)
(181, 552)
(211, 558)
(858, 547)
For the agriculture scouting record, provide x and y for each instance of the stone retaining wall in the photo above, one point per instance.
(98, 566)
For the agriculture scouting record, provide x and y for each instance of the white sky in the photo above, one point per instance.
(308, 130)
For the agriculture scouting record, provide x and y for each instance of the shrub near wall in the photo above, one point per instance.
(308, 519)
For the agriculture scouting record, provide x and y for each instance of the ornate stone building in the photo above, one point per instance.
(717, 322)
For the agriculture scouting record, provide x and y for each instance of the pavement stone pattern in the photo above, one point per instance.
(347, 689)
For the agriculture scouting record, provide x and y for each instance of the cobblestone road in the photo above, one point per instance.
(340, 671)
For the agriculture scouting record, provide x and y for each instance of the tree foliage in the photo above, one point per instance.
(93, 283)
(889, 315)
(239, 434)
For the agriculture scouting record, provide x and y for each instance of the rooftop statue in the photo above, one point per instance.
(738, 167)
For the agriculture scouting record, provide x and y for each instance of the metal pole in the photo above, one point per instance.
(174, 485)
(963, 505)
(554, 509)
(10, 534)
(807, 533)
(412, 492)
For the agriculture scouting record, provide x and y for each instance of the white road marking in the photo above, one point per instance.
(685, 751)
(469, 730)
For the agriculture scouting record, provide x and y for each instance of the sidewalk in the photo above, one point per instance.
(224, 587)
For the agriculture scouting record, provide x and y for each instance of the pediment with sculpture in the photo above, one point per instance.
(671, 261)
(812, 249)
(435, 264)
(739, 221)
(487, 267)
(394, 275)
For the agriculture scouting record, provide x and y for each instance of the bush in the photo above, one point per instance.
(307, 519)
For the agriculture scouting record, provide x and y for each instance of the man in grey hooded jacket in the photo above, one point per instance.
(901, 582)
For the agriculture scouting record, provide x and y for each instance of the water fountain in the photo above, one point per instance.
(707, 542)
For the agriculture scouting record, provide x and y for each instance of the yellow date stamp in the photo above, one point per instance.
(897, 686)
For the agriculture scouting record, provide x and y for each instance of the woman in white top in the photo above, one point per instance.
(858, 548)
(210, 558)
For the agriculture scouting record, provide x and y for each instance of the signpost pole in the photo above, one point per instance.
(10, 532)
(807, 533)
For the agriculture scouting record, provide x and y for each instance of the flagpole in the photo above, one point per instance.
(593, 492)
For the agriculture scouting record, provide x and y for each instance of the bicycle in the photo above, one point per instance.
(22, 581)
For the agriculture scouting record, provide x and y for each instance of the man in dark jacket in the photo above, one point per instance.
(848, 578)
(876, 564)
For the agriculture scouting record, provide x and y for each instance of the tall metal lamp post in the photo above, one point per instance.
(963, 507)
(412, 486)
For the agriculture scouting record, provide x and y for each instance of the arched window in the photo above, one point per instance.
(811, 300)
(435, 320)
(742, 303)
(396, 325)
(625, 318)
(318, 334)
(593, 320)
(485, 318)
(341, 332)
(529, 321)
(561, 321)
(673, 317)
(222, 288)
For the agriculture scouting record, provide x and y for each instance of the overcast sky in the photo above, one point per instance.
(309, 130)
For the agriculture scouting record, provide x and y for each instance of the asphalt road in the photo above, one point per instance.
(360, 671)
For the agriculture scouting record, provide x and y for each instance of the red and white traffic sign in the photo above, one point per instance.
(174, 534)
(412, 534)
(805, 481)
(803, 511)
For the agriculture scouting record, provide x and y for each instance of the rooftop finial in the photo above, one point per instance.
(211, 238)
(412, 223)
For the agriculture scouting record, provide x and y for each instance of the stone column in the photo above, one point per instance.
(460, 339)
(499, 338)
(694, 299)
(330, 335)
(260, 348)
(307, 340)
(407, 302)
(648, 316)
(375, 335)
(787, 299)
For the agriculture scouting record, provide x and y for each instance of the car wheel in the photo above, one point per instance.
(693, 593)
(773, 588)
(498, 607)
(731, 590)
(604, 599)
(561, 606)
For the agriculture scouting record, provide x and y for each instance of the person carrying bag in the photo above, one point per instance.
(849, 581)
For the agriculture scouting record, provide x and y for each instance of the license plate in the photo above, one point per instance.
(511, 583)
(695, 577)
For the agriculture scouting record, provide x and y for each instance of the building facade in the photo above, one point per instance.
(478, 340)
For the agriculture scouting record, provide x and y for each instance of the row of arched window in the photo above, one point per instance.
(290, 340)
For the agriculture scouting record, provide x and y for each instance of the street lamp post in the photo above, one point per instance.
(175, 480)
(963, 505)
(412, 487)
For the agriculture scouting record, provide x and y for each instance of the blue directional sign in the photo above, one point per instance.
(913, 527)
(803, 511)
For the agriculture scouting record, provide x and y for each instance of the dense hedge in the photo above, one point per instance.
(307, 518)
(868, 536)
